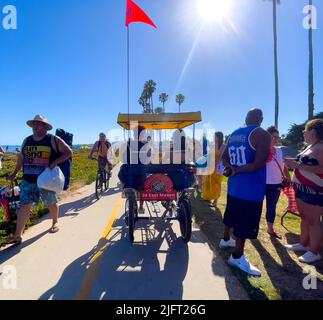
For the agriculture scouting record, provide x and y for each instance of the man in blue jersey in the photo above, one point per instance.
(245, 158)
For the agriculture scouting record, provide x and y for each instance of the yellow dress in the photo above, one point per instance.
(211, 189)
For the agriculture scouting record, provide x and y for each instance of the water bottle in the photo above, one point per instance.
(16, 191)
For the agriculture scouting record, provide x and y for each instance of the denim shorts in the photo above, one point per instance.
(31, 194)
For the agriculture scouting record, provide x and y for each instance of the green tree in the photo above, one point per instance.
(295, 137)
(180, 100)
(275, 3)
(159, 110)
(163, 97)
(149, 89)
(311, 68)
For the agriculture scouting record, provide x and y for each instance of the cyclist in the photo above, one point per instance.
(103, 147)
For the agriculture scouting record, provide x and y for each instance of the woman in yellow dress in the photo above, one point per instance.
(211, 190)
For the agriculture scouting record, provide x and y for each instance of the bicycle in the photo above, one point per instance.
(102, 181)
(10, 202)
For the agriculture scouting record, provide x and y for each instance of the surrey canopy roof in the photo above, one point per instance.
(159, 121)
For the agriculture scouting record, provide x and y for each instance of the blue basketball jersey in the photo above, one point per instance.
(246, 186)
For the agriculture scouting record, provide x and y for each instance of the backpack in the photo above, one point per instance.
(65, 166)
(65, 136)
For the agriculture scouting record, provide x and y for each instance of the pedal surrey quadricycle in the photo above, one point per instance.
(170, 184)
(10, 202)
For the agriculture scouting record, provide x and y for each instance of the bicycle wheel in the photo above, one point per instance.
(131, 219)
(98, 186)
(185, 219)
(106, 181)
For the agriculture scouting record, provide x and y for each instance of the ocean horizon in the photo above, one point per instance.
(13, 148)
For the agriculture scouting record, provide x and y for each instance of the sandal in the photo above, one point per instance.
(274, 235)
(54, 229)
(12, 241)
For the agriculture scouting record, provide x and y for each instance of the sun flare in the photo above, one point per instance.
(213, 10)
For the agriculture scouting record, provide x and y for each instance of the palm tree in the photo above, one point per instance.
(180, 100)
(275, 3)
(311, 68)
(149, 89)
(163, 97)
(144, 102)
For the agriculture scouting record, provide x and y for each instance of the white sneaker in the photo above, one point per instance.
(296, 247)
(309, 257)
(244, 265)
(231, 243)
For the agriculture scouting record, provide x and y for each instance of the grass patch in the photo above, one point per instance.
(282, 274)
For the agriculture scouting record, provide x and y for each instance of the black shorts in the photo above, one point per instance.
(243, 216)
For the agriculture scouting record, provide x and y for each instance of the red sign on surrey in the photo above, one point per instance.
(158, 187)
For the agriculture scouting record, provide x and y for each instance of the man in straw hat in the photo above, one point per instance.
(38, 152)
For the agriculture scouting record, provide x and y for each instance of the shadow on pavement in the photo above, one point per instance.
(73, 208)
(129, 271)
(210, 222)
(8, 252)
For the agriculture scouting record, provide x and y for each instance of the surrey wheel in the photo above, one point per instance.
(132, 213)
(185, 219)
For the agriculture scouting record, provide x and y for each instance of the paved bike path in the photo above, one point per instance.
(92, 258)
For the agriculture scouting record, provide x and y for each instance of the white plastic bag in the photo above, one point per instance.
(51, 180)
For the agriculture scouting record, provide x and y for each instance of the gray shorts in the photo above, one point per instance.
(31, 194)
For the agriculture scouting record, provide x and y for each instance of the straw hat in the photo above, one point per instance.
(41, 119)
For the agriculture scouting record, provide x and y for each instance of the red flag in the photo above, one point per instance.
(136, 14)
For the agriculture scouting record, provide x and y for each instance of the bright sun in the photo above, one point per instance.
(213, 10)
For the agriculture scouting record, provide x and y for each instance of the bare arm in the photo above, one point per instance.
(19, 165)
(95, 148)
(261, 141)
(64, 150)
(221, 152)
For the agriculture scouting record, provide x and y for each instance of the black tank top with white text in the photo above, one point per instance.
(37, 157)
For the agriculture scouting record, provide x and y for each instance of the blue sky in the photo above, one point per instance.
(67, 60)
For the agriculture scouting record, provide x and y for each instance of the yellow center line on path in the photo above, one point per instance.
(94, 264)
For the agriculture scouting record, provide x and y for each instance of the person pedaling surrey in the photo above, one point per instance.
(102, 147)
(38, 152)
(308, 185)
(245, 160)
(136, 152)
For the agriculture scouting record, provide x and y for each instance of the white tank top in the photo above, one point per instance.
(274, 175)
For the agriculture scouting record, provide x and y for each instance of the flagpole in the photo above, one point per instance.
(128, 84)
(128, 76)
(128, 69)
